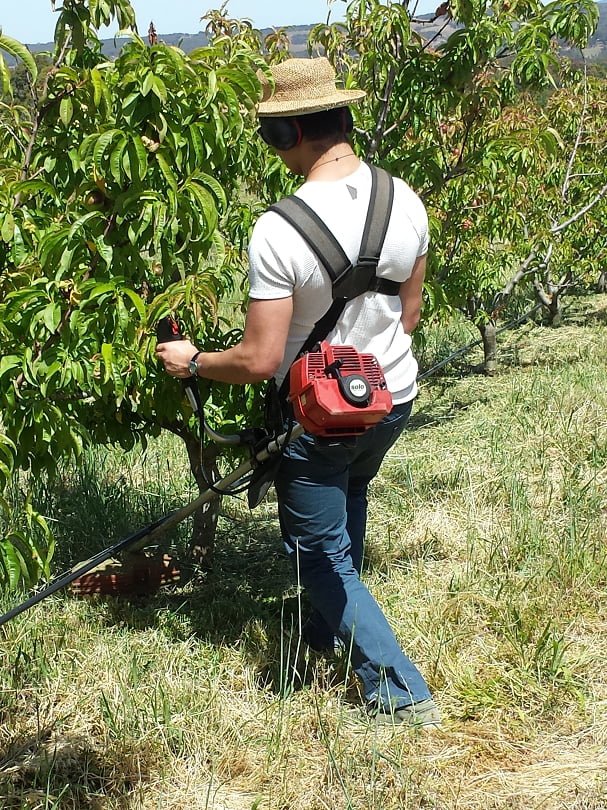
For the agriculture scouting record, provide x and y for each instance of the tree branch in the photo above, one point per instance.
(598, 197)
(381, 121)
(14, 135)
(578, 138)
(41, 113)
(542, 295)
(436, 36)
(516, 278)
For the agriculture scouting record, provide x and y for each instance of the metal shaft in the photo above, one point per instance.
(147, 535)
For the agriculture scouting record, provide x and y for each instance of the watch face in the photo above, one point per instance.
(193, 367)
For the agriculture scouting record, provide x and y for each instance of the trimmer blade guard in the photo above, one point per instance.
(137, 575)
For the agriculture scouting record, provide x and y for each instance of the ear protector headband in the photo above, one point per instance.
(286, 133)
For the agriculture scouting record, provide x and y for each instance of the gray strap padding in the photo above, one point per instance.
(378, 218)
(321, 240)
(315, 233)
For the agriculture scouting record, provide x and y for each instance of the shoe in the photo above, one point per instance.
(422, 715)
(318, 637)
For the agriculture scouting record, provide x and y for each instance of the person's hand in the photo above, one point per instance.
(176, 356)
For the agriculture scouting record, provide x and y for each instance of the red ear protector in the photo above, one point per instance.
(280, 133)
(284, 133)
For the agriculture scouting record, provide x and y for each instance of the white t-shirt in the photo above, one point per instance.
(282, 265)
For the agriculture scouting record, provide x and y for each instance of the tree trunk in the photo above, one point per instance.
(550, 299)
(602, 282)
(202, 542)
(489, 335)
(555, 310)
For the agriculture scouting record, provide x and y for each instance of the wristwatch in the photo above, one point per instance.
(193, 365)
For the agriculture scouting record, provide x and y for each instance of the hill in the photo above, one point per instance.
(298, 36)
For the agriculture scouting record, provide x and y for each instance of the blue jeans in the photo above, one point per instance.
(322, 498)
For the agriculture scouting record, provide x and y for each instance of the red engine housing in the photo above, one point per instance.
(318, 398)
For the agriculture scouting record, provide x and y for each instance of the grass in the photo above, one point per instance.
(486, 548)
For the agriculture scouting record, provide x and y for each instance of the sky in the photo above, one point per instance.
(33, 21)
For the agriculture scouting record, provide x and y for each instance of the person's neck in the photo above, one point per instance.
(332, 164)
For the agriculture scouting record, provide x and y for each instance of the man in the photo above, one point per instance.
(322, 487)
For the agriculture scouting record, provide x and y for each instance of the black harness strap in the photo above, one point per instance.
(378, 217)
(315, 233)
(348, 281)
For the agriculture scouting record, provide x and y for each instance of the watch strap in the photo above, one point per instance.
(192, 365)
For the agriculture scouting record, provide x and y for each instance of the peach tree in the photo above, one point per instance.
(119, 203)
(442, 112)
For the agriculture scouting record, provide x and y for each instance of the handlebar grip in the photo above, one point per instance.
(167, 330)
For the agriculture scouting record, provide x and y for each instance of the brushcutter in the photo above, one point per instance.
(255, 475)
(335, 392)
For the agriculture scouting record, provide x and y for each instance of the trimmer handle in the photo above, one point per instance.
(167, 330)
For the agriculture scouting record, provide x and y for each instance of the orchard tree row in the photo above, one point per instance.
(128, 190)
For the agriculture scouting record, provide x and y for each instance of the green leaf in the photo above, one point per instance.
(105, 251)
(7, 363)
(107, 353)
(66, 111)
(101, 289)
(5, 79)
(148, 83)
(28, 188)
(213, 184)
(10, 562)
(51, 317)
(206, 204)
(98, 86)
(243, 80)
(116, 159)
(167, 172)
(81, 222)
(102, 144)
(137, 301)
(138, 150)
(159, 89)
(196, 143)
(19, 51)
(211, 88)
(552, 141)
(8, 228)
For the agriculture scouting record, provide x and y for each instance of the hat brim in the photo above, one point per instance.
(276, 108)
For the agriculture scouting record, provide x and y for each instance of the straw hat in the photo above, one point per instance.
(303, 86)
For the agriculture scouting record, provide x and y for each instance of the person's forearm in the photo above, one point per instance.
(411, 296)
(410, 318)
(257, 357)
(243, 363)
(236, 365)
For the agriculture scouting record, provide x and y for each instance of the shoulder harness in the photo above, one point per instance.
(348, 280)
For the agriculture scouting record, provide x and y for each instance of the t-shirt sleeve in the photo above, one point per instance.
(424, 231)
(418, 216)
(269, 275)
